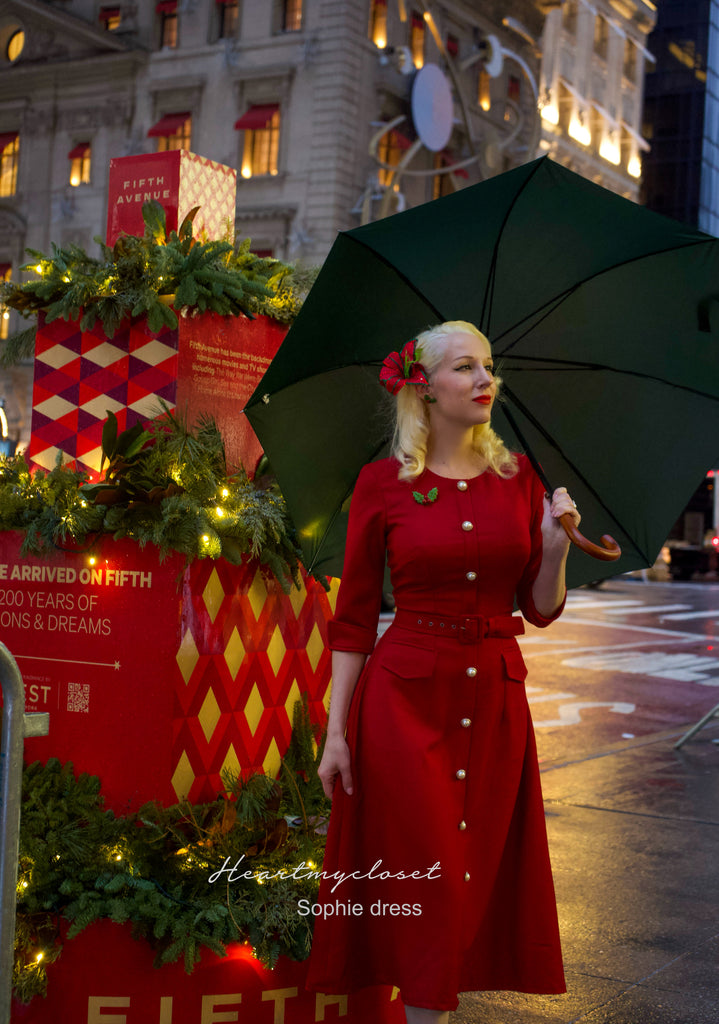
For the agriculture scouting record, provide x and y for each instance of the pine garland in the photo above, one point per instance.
(166, 485)
(83, 863)
(157, 276)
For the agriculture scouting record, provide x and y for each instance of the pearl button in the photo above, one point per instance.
(466, 876)
(471, 671)
(465, 723)
(462, 485)
(461, 774)
(462, 826)
(471, 575)
(466, 525)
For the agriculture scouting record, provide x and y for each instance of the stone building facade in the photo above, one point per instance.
(591, 92)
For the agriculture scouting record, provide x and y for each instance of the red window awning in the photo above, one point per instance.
(228, 3)
(170, 124)
(109, 12)
(82, 149)
(167, 7)
(6, 138)
(417, 20)
(5, 269)
(257, 117)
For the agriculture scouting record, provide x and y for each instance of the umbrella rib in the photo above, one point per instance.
(378, 255)
(338, 507)
(558, 299)
(489, 291)
(550, 440)
(560, 365)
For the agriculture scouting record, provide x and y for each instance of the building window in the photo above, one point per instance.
(229, 11)
(452, 45)
(569, 15)
(15, 45)
(601, 36)
(9, 152)
(173, 131)
(167, 11)
(79, 158)
(378, 23)
(292, 16)
(630, 61)
(442, 184)
(484, 90)
(110, 18)
(416, 39)
(390, 149)
(261, 125)
(5, 275)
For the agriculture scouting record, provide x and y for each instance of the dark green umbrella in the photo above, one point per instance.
(603, 318)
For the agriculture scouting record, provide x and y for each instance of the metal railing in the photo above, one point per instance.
(16, 725)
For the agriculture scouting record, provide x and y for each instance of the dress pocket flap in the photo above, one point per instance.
(408, 661)
(514, 664)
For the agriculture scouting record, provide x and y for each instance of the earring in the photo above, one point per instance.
(428, 398)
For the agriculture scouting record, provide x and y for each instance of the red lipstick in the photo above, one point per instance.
(483, 399)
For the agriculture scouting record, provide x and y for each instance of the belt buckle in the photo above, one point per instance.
(471, 629)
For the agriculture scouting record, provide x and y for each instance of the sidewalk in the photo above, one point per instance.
(634, 839)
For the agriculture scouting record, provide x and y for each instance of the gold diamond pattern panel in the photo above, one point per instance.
(248, 653)
(212, 187)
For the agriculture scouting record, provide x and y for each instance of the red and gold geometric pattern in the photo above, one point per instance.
(80, 375)
(212, 187)
(247, 653)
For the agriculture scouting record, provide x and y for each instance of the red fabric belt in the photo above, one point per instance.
(467, 629)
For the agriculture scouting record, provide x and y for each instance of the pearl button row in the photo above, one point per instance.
(462, 485)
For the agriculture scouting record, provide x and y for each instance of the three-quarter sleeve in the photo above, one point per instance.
(525, 599)
(359, 599)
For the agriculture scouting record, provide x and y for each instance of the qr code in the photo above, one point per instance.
(78, 696)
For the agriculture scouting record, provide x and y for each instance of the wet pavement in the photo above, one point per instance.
(633, 823)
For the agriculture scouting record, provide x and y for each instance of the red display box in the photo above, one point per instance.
(105, 977)
(179, 180)
(210, 364)
(156, 677)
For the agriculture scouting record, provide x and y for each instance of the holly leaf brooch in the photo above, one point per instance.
(425, 499)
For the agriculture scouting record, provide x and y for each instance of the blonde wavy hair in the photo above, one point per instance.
(411, 432)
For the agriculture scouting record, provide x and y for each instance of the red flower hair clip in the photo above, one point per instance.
(400, 368)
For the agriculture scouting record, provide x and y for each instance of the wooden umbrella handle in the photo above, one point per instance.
(608, 552)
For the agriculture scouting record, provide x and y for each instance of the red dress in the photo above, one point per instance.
(446, 780)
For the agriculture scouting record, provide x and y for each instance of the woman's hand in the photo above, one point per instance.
(553, 534)
(335, 761)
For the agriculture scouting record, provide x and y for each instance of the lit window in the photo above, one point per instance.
(292, 16)
(389, 151)
(484, 93)
(15, 45)
(167, 11)
(110, 18)
(261, 125)
(9, 151)
(229, 11)
(79, 158)
(378, 23)
(173, 131)
(5, 275)
(416, 39)
(452, 45)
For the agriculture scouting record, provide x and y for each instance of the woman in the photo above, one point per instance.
(437, 810)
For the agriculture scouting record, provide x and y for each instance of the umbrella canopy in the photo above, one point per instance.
(604, 322)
